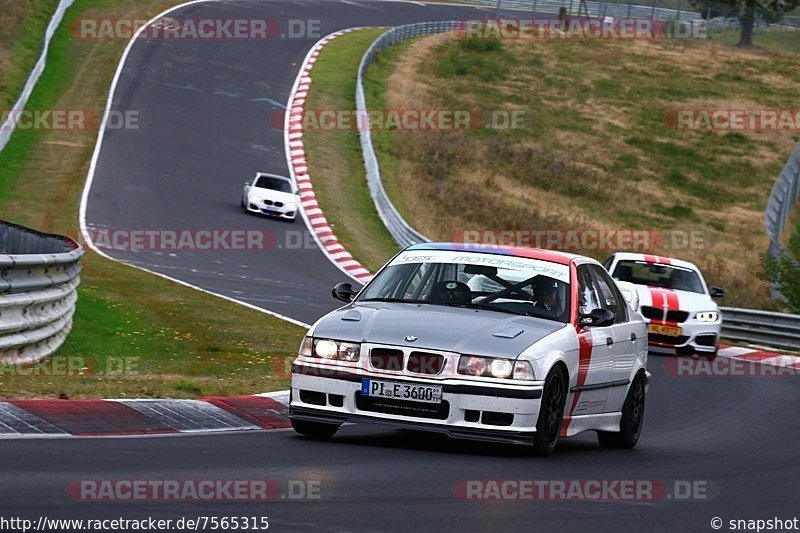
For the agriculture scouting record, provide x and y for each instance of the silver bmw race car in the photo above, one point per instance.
(491, 343)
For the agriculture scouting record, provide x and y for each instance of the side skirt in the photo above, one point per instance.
(581, 423)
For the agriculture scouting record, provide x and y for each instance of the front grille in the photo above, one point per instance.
(653, 313)
(677, 316)
(267, 202)
(668, 339)
(425, 363)
(386, 359)
(278, 204)
(436, 411)
(656, 313)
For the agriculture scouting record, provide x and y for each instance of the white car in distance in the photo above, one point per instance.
(271, 195)
(672, 296)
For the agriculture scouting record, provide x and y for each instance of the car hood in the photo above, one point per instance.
(453, 329)
(686, 301)
(275, 196)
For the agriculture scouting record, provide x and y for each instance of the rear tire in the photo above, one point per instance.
(551, 413)
(315, 430)
(630, 427)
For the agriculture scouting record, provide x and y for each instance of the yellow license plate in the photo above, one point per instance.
(664, 330)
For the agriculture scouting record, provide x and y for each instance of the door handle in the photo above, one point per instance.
(633, 336)
(609, 341)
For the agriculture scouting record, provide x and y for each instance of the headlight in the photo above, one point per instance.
(306, 347)
(330, 349)
(473, 365)
(501, 368)
(707, 316)
(290, 205)
(523, 371)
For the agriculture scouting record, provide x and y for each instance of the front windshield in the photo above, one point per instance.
(273, 184)
(498, 283)
(656, 275)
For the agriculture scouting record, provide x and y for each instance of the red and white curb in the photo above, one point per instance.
(298, 167)
(761, 357)
(103, 418)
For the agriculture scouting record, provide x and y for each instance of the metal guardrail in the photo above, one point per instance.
(782, 200)
(778, 330)
(400, 230)
(39, 277)
(684, 12)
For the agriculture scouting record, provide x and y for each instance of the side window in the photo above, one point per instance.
(588, 298)
(610, 297)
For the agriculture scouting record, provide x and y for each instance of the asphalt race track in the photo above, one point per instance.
(737, 435)
(207, 124)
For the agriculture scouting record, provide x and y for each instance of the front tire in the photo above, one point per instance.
(630, 427)
(551, 413)
(315, 430)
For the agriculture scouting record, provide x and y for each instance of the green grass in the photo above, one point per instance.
(179, 342)
(335, 161)
(57, 75)
(22, 27)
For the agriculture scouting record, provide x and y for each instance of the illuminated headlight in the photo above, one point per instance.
(290, 205)
(330, 349)
(501, 368)
(707, 316)
(472, 365)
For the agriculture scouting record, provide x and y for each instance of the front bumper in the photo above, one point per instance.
(469, 409)
(696, 337)
(261, 208)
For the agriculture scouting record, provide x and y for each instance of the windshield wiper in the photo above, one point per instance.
(485, 306)
(400, 300)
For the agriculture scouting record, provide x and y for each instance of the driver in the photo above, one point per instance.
(547, 296)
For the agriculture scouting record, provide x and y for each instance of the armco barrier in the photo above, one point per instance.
(778, 330)
(641, 10)
(782, 200)
(399, 229)
(39, 276)
(8, 126)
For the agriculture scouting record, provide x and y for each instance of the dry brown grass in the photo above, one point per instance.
(596, 153)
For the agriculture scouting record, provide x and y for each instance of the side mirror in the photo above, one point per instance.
(297, 192)
(598, 318)
(344, 292)
(717, 292)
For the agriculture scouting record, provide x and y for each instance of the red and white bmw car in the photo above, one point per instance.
(490, 343)
(675, 301)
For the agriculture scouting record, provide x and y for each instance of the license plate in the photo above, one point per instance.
(664, 330)
(401, 391)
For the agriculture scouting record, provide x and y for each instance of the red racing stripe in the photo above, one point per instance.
(584, 360)
(657, 259)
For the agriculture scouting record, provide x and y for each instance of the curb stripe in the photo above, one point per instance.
(298, 167)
